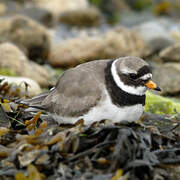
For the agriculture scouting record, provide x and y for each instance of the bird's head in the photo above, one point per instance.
(133, 75)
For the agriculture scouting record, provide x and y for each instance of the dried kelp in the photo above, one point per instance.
(33, 146)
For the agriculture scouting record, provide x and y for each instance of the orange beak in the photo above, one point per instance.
(151, 85)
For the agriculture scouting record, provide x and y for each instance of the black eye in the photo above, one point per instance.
(133, 76)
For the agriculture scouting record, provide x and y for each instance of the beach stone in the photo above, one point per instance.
(111, 44)
(75, 51)
(27, 34)
(23, 83)
(155, 35)
(60, 6)
(171, 53)
(167, 76)
(122, 42)
(175, 35)
(81, 17)
(43, 16)
(12, 58)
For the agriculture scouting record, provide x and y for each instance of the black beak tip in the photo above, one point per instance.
(157, 88)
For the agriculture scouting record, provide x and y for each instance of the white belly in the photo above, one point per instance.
(106, 110)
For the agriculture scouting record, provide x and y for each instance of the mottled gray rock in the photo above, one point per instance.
(155, 36)
(167, 77)
(30, 36)
(171, 53)
(111, 44)
(12, 58)
(81, 17)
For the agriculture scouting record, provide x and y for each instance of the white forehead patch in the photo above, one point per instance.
(128, 71)
(146, 76)
(129, 89)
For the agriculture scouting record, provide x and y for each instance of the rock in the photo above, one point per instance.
(155, 36)
(173, 65)
(171, 53)
(167, 77)
(75, 51)
(160, 105)
(122, 42)
(38, 14)
(33, 87)
(30, 36)
(139, 5)
(60, 6)
(112, 44)
(111, 8)
(3, 9)
(176, 35)
(13, 59)
(132, 18)
(81, 17)
(40, 74)
(9, 7)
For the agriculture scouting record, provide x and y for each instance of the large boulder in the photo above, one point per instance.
(12, 58)
(171, 53)
(112, 44)
(27, 34)
(167, 77)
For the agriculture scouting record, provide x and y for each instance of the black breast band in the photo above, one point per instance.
(118, 96)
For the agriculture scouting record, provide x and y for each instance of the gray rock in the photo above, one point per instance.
(81, 17)
(111, 44)
(12, 58)
(155, 36)
(171, 53)
(167, 77)
(30, 36)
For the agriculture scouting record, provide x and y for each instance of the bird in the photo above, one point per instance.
(112, 89)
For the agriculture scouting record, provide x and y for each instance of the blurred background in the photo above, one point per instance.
(39, 39)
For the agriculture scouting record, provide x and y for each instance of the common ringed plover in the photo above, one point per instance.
(97, 90)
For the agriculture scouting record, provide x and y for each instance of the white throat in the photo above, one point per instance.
(129, 89)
